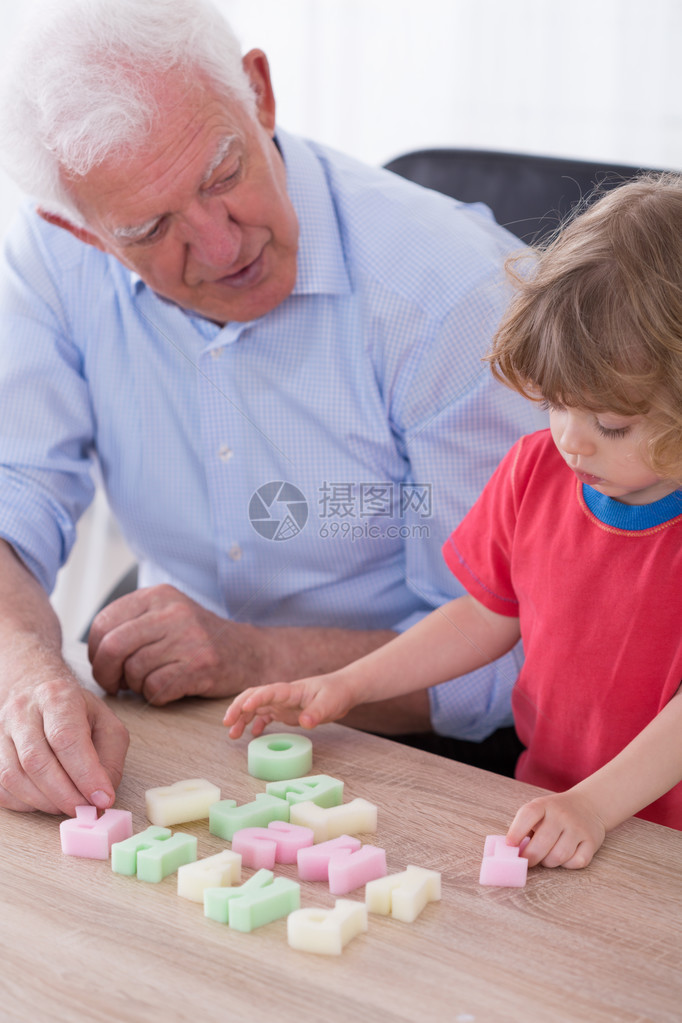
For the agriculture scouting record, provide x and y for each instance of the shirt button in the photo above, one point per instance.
(216, 353)
(235, 552)
(225, 452)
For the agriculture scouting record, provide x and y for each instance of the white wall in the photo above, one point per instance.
(597, 79)
(594, 79)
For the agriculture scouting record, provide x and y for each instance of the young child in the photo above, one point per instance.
(575, 545)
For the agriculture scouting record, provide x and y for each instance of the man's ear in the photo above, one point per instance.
(81, 233)
(256, 66)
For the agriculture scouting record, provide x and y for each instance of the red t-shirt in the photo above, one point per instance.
(600, 609)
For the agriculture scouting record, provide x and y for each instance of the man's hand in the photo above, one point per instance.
(163, 645)
(60, 747)
(566, 830)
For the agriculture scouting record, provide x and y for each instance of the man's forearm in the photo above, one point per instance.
(296, 652)
(29, 627)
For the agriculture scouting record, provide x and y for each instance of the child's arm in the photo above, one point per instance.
(453, 640)
(569, 827)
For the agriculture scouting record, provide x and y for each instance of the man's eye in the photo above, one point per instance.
(228, 176)
(154, 233)
(151, 235)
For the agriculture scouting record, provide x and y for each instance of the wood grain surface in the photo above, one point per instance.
(80, 943)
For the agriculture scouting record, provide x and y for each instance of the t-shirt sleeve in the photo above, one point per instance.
(479, 551)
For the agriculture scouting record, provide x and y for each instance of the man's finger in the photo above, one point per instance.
(40, 763)
(17, 791)
(110, 739)
(67, 730)
(116, 646)
(115, 614)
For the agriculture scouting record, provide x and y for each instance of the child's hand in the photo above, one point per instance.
(566, 831)
(309, 702)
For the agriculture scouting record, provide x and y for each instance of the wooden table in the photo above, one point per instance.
(82, 943)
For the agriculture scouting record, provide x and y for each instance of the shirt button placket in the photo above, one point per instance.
(225, 453)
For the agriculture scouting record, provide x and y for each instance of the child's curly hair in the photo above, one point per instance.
(596, 322)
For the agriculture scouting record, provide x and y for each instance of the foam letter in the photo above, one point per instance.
(313, 862)
(280, 756)
(316, 788)
(226, 818)
(403, 895)
(258, 901)
(153, 854)
(219, 871)
(278, 843)
(85, 835)
(181, 802)
(502, 865)
(331, 822)
(326, 931)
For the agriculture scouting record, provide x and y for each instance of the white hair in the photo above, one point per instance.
(79, 83)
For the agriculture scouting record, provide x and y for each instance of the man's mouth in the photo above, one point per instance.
(246, 277)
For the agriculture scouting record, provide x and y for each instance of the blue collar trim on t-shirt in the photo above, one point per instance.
(632, 516)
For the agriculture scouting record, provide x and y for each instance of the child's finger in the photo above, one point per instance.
(234, 711)
(582, 855)
(237, 729)
(328, 704)
(260, 723)
(276, 695)
(559, 846)
(526, 819)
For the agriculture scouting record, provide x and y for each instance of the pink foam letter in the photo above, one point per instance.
(349, 870)
(261, 848)
(313, 861)
(502, 865)
(86, 835)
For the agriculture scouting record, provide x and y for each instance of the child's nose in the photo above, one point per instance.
(575, 438)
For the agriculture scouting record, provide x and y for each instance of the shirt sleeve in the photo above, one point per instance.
(479, 551)
(46, 416)
(461, 423)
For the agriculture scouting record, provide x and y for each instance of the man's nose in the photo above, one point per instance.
(212, 237)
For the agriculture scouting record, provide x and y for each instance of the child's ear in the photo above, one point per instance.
(81, 233)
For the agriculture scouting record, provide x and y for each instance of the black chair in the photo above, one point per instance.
(529, 195)
(126, 584)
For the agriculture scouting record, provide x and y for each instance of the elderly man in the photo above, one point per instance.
(272, 352)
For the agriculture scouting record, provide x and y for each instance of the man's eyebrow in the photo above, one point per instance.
(134, 233)
(223, 150)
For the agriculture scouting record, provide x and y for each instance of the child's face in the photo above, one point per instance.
(604, 449)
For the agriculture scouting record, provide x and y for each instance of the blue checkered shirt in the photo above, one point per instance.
(300, 469)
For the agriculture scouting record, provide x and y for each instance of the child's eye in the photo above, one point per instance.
(549, 406)
(612, 432)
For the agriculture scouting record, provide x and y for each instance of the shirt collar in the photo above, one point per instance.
(321, 261)
(632, 517)
(321, 266)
